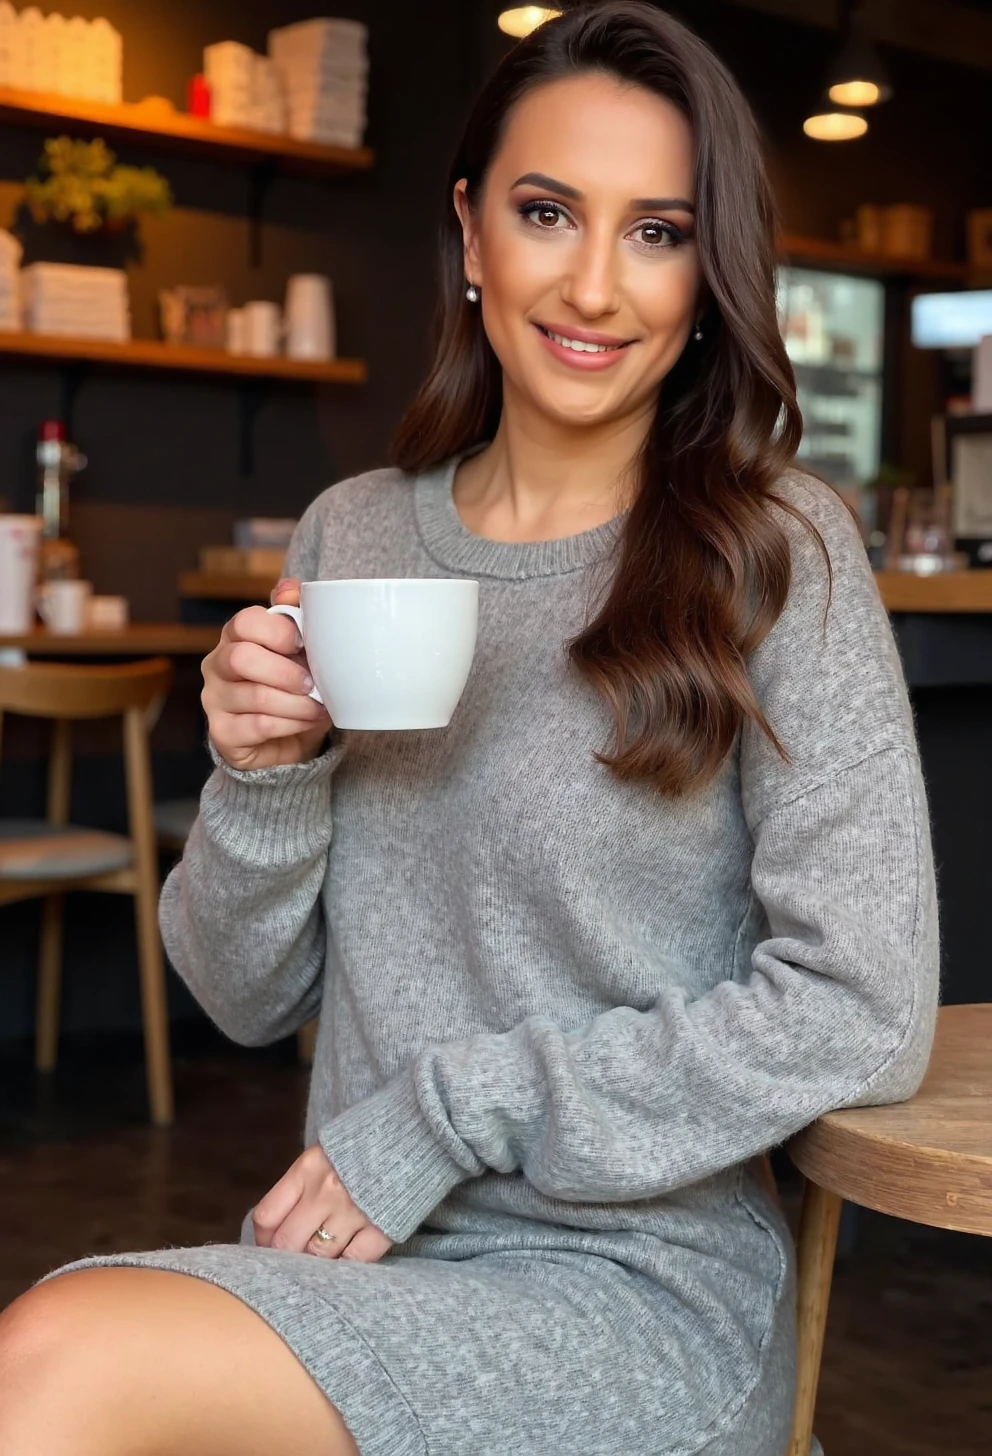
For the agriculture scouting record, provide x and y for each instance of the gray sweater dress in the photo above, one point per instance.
(559, 1013)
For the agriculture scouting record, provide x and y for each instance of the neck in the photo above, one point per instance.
(540, 478)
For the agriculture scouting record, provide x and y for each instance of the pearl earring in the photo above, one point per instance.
(698, 334)
(472, 293)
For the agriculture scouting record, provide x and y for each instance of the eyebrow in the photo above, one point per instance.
(643, 204)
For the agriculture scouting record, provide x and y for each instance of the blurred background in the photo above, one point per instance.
(217, 257)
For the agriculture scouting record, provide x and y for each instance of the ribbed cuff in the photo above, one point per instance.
(273, 816)
(387, 1156)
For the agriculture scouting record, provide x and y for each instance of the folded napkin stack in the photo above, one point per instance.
(75, 302)
(245, 88)
(323, 65)
(65, 57)
(10, 283)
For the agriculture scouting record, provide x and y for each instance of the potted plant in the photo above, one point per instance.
(81, 185)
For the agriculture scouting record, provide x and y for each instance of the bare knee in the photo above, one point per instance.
(41, 1336)
(110, 1360)
(36, 1325)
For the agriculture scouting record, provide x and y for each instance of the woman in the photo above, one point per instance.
(659, 896)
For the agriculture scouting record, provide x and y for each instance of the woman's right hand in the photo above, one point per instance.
(256, 687)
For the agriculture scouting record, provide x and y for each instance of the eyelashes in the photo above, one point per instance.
(673, 236)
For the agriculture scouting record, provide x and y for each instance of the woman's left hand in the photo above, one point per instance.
(311, 1196)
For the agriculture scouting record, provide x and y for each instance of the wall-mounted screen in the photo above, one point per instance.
(951, 320)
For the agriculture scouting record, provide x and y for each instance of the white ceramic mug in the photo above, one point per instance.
(310, 332)
(62, 605)
(262, 324)
(388, 653)
(19, 540)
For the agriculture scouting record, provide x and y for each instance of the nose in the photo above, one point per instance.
(591, 284)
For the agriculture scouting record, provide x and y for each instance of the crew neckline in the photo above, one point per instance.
(452, 544)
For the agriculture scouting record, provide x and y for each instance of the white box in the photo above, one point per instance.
(8, 42)
(229, 61)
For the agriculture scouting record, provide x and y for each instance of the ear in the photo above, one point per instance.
(470, 233)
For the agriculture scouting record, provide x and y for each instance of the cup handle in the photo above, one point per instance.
(297, 616)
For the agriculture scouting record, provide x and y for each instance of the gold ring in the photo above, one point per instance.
(324, 1236)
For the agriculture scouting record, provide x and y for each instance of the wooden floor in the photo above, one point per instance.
(908, 1364)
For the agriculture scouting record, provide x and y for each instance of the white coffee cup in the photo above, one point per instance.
(310, 332)
(19, 540)
(388, 653)
(62, 605)
(262, 325)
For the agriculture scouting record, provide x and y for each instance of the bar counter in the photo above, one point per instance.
(151, 639)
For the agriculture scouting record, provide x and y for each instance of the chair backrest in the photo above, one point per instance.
(73, 691)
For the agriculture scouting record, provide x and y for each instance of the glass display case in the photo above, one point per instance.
(833, 325)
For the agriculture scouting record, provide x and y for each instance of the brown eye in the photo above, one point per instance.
(655, 236)
(548, 216)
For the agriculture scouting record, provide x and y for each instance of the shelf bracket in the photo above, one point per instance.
(251, 394)
(260, 180)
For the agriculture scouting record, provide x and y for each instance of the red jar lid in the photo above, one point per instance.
(51, 430)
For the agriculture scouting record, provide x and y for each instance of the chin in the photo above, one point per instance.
(580, 413)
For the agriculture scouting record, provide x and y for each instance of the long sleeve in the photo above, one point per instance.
(241, 914)
(836, 1006)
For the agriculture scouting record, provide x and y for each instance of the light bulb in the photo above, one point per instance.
(855, 93)
(520, 20)
(835, 126)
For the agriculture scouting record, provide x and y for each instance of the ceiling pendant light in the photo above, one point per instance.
(858, 75)
(835, 124)
(520, 20)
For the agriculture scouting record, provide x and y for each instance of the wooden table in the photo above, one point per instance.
(143, 639)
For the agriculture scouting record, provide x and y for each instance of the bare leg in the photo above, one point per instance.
(143, 1362)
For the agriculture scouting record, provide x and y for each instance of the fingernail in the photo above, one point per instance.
(283, 581)
(307, 682)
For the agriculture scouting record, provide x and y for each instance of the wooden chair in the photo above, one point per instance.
(928, 1160)
(174, 819)
(46, 858)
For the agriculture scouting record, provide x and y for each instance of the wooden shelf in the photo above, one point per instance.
(174, 131)
(225, 586)
(174, 639)
(150, 354)
(824, 252)
(946, 591)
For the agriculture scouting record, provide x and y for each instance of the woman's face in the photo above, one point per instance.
(585, 235)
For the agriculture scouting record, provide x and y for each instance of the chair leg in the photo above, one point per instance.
(46, 1046)
(154, 1010)
(306, 1040)
(818, 1226)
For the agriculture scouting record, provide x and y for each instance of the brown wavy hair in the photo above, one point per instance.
(703, 567)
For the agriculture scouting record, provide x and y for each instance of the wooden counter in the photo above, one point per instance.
(172, 639)
(947, 591)
(225, 586)
(902, 591)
